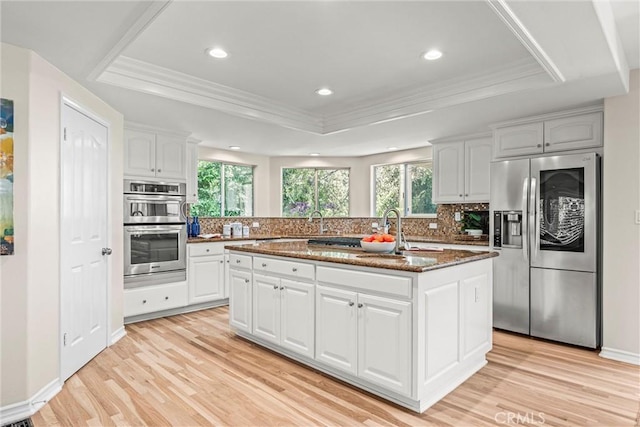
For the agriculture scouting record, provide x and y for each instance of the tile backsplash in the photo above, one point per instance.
(447, 226)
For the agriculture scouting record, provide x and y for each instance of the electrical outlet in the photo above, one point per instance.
(374, 225)
(458, 217)
(255, 225)
(433, 225)
(637, 217)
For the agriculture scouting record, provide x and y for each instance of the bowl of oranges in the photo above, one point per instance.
(378, 242)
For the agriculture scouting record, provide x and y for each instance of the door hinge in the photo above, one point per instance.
(64, 340)
(65, 134)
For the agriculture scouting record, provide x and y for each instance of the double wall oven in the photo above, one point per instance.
(155, 236)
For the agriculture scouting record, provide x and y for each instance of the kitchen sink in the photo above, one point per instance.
(350, 242)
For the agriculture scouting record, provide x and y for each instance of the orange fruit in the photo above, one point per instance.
(367, 239)
(379, 238)
(388, 238)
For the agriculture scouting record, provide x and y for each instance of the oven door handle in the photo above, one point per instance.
(174, 199)
(154, 230)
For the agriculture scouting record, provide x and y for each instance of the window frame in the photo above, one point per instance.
(223, 187)
(405, 190)
(315, 188)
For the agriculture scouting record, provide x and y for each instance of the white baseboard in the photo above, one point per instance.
(620, 355)
(117, 335)
(21, 410)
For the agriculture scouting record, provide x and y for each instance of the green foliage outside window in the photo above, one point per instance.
(307, 189)
(215, 179)
(404, 186)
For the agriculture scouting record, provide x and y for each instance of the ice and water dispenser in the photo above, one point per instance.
(507, 229)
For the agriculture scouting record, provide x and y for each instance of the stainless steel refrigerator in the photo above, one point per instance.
(544, 223)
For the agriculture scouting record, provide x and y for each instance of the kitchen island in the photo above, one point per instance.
(408, 328)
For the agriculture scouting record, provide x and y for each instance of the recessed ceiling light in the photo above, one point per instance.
(314, 154)
(324, 91)
(392, 148)
(234, 147)
(217, 52)
(432, 54)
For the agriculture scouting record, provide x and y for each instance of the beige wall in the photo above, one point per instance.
(37, 234)
(621, 196)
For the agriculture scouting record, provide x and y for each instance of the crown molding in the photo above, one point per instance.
(520, 75)
(463, 137)
(141, 127)
(512, 22)
(155, 8)
(549, 116)
(148, 78)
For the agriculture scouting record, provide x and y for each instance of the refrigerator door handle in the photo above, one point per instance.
(525, 228)
(535, 221)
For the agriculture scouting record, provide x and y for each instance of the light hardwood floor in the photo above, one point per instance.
(190, 370)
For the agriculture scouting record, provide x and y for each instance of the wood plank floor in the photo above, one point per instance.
(190, 370)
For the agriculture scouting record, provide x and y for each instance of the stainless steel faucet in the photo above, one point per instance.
(399, 234)
(322, 229)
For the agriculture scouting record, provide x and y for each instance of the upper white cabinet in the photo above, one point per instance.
(461, 171)
(154, 154)
(551, 133)
(192, 170)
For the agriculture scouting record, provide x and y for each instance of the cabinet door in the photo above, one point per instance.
(572, 133)
(477, 165)
(206, 278)
(448, 172)
(227, 279)
(384, 342)
(518, 140)
(297, 317)
(139, 153)
(192, 172)
(240, 300)
(476, 312)
(336, 328)
(170, 157)
(266, 307)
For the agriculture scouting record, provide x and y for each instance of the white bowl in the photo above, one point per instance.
(474, 232)
(378, 246)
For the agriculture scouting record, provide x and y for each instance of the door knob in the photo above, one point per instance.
(106, 251)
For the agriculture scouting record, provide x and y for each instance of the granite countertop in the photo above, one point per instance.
(456, 240)
(416, 262)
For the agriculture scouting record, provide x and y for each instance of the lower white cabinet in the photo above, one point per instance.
(154, 298)
(206, 278)
(283, 313)
(365, 335)
(240, 299)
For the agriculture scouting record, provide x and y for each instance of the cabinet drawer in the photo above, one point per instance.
(240, 261)
(154, 298)
(203, 249)
(288, 268)
(366, 282)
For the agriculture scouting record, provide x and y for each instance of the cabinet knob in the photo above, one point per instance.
(360, 305)
(152, 169)
(539, 145)
(547, 144)
(466, 195)
(166, 298)
(275, 286)
(159, 170)
(207, 250)
(246, 280)
(460, 195)
(294, 269)
(144, 301)
(281, 287)
(221, 262)
(237, 261)
(351, 303)
(264, 265)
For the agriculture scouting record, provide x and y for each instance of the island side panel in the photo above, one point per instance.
(454, 327)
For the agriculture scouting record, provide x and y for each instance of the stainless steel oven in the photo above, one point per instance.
(153, 202)
(155, 243)
(154, 254)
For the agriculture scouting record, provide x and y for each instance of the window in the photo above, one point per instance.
(224, 190)
(307, 189)
(406, 186)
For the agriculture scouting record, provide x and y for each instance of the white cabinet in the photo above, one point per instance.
(365, 335)
(461, 171)
(205, 272)
(149, 299)
(151, 154)
(283, 313)
(551, 133)
(240, 299)
(192, 170)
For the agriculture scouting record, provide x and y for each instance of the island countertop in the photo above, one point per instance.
(414, 261)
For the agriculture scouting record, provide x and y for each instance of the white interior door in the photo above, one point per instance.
(83, 235)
